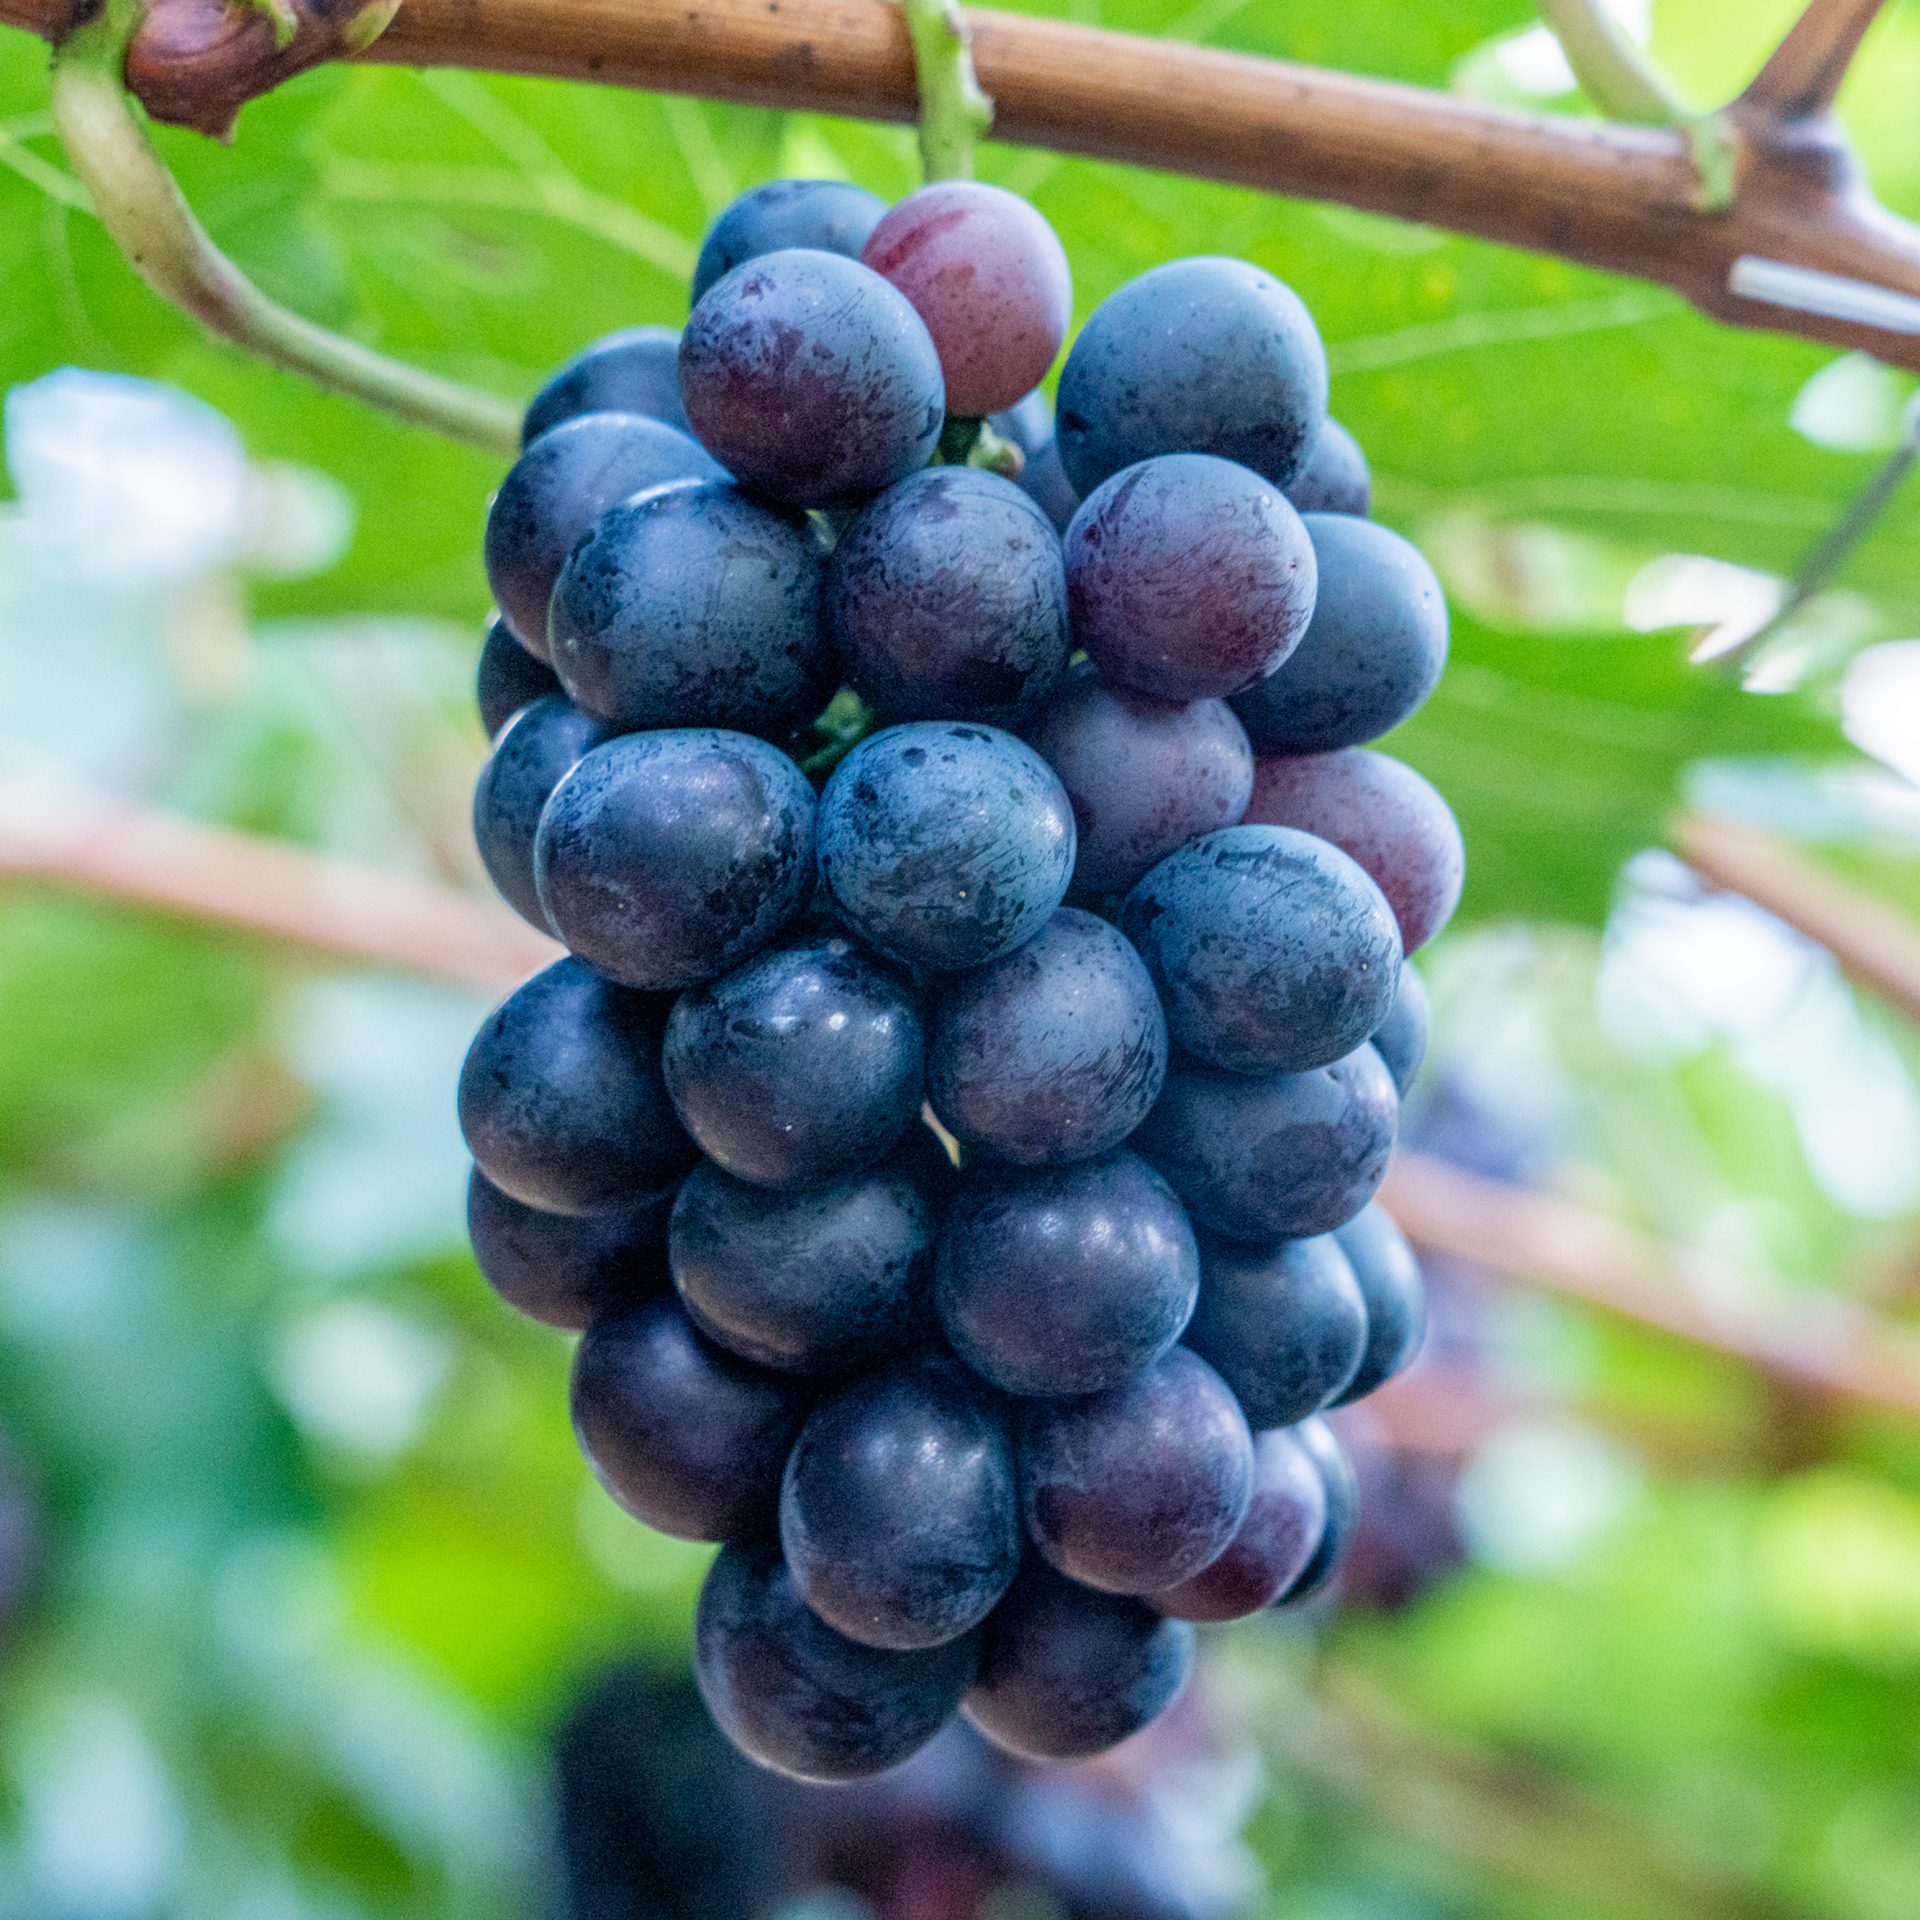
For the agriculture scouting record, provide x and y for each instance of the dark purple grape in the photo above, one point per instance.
(695, 607)
(1272, 950)
(899, 1510)
(1389, 1279)
(561, 1098)
(792, 1693)
(562, 1268)
(812, 379)
(945, 845)
(948, 599)
(1053, 1052)
(636, 370)
(1198, 356)
(1275, 1158)
(1066, 1672)
(1065, 1280)
(1029, 425)
(1188, 578)
(664, 859)
(1343, 1509)
(540, 747)
(1381, 813)
(804, 1065)
(685, 1437)
(832, 216)
(1401, 1038)
(508, 677)
(557, 489)
(1136, 1488)
(1335, 478)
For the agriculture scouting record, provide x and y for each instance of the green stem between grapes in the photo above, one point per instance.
(954, 112)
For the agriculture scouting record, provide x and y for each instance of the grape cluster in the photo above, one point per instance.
(955, 1127)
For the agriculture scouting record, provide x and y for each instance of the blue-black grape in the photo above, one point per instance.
(636, 370)
(1029, 425)
(685, 1437)
(540, 746)
(1343, 1509)
(1066, 1672)
(945, 845)
(900, 1510)
(1389, 1279)
(948, 599)
(558, 488)
(832, 216)
(1401, 1038)
(1136, 1488)
(1188, 578)
(561, 1097)
(805, 1064)
(507, 677)
(858, 409)
(1271, 949)
(664, 859)
(1199, 356)
(1335, 478)
(796, 1695)
(1278, 1157)
(563, 1268)
(1065, 1280)
(1053, 1052)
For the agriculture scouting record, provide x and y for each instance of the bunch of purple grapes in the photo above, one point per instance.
(956, 1125)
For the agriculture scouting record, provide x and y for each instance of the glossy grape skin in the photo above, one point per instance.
(561, 1269)
(948, 599)
(1343, 1509)
(1029, 425)
(900, 1509)
(817, 1282)
(797, 1696)
(540, 746)
(1285, 1326)
(831, 216)
(557, 489)
(636, 370)
(1381, 813)
(664, 859)
(804, 1065)
(1051, 1053)
(1372, 652)
(945, 845)
(1066, 1672)
(561, 1098)
(507, 677)
(1065, 1280)
(1271, 950)
(1276, 1542)
(686, 1438)
(1279, 1157)
(861, 408)
(1188, 578)
(695, 607)
(1136, 1488)
(1335, 478)
(1401, 1038)
(1198, 356)
(1389, 1279)
(990, 278)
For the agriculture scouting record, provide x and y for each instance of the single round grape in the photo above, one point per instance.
(803, 1065)
(1188, 578)
(1065, 1280)
(695, 606)
(1198, 356)
(540, 747)
(948, 599)
(666, 858)
(990, 278)
(561, 1098)
(1279, 1157)
(1066, 1672)
(831, 216)
(1401, 1038)
(1285, 1520)
(1389, 1279)
(1343, 1509)
(1335, 478)
(636, 370)
(508, 677)
(557, 489)
(1285, 1326)
(686, 1438)
(797, 1696)
(1381, 813)
(1136, 1488)
(900, 1510)
(1053, 1052)
(563, 1268)
(816, 1282)
(812, 379)
(1272, 950)
(1371, 654)
(1029, 425)
(945, 845)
